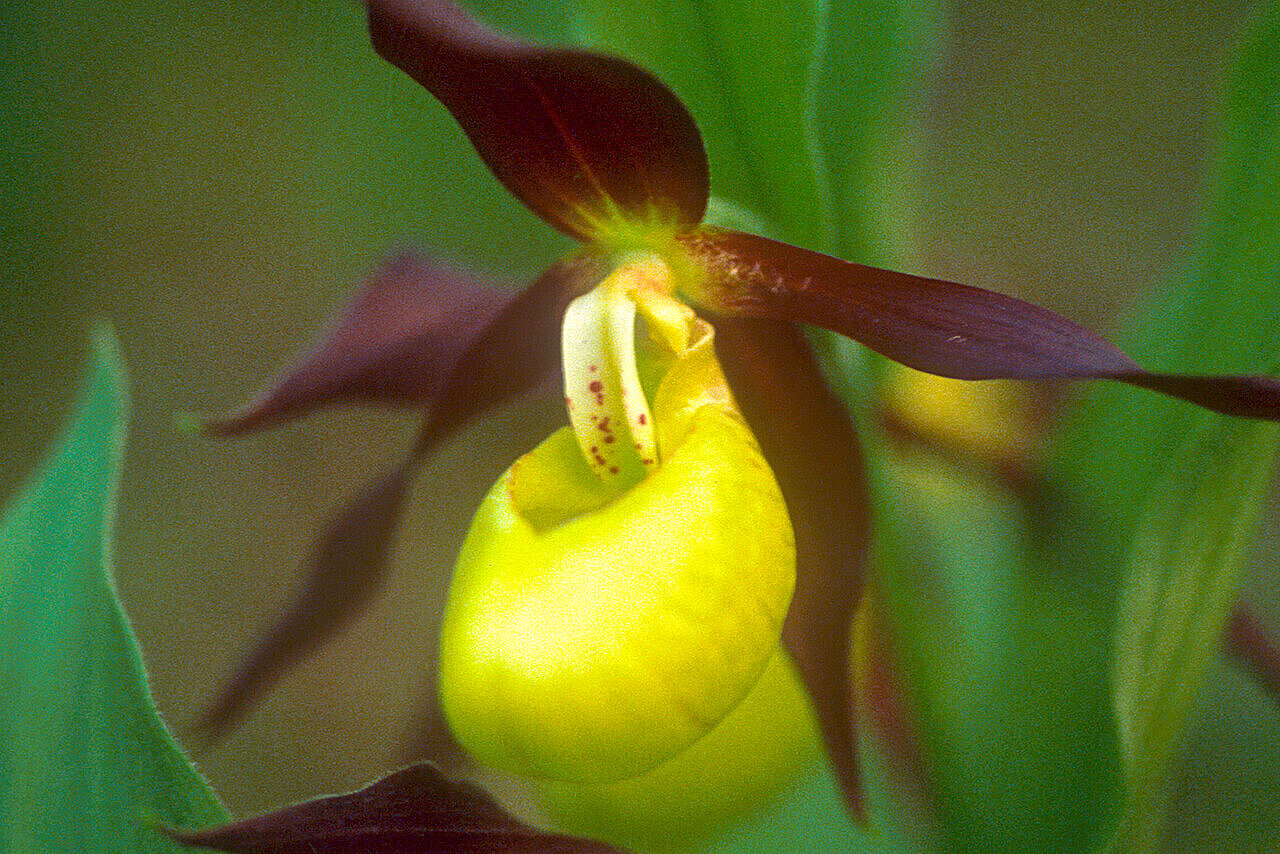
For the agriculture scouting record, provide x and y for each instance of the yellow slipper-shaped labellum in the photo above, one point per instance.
(590, 633)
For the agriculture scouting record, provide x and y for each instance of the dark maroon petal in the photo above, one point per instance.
(517, 349)
(1249, 643)
(414, 810)
(810, 443)
(576, 136)
(394, 343)
(345, 569)
(935, 326)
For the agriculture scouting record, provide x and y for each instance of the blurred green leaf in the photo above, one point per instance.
(862, 105)
(85, 763)
(1229, 765)
(1220, 315)
(1006, 675)
(1180, 586)
(1131, 518)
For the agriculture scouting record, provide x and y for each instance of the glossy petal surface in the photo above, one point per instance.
(591, 634)
(809, 442)
(940, 327)
(584, 140)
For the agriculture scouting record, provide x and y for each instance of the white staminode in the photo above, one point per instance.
(607, 406)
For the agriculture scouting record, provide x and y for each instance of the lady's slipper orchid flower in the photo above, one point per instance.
(567, 548)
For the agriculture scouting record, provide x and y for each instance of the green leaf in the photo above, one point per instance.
(1180, 586)
(1005, 668)
(1133, 467)
(85, 763)
(1219, 315)
(862, 105)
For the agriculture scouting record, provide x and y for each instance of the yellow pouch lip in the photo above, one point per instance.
(591, 635)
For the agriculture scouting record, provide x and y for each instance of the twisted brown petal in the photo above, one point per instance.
(396, 342)
(578, 137)
(809, 442)
(344, 571)
(516, 350)
(939, 327)
(414, 810)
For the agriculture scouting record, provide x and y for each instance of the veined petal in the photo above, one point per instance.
(395, 342)
(513, 352)
(810, 444)
(587, 141)
(940, 327)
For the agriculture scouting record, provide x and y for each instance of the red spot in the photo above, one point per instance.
(642, 418)
(595, 386)
(647, 462)
(594, 449)
(613, 469)
(592, 368)
(600, 460)
(638, 448)
(603, 425)
(609, 440)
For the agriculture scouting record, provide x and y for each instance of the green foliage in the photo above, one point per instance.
(1180, 585)
(1007, 673)
(1219, 315)
(1008, 629)
(1007, 624)
(862, 105)
(85, 763)
(1164, 514)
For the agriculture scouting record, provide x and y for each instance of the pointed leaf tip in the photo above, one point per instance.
(417, 809)
(84, 755)
(579, 137)
(934, 326)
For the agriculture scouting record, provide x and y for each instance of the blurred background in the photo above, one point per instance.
(214, 178)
